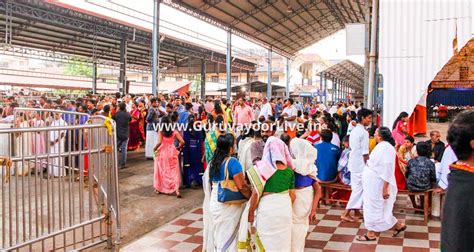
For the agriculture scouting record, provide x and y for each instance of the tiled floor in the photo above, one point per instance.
(327, 234)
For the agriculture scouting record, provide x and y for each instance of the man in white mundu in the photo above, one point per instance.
(56, 146)
(359, 144)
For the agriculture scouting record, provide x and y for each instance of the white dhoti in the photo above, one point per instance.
(57, 163)
(378, 215)
(274, 221)
(23, 148)
(301, 210)
(378, 212)
(355, 200)
(225, 221)
(150, 143)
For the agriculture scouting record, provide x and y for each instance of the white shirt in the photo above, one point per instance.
(359, 144)
(55, 135)
(336, 140)
(449, 157)
(291, 111)
(266, 110)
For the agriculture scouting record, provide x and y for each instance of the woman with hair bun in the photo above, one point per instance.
(380, 188)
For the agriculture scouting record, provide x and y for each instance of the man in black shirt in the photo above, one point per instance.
(122, 121)
(437, 146)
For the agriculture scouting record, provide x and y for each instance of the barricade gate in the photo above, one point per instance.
(59, 187)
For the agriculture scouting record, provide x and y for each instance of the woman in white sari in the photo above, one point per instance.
(221, 220)
(307, 193)
(273, 181)
(380, 188)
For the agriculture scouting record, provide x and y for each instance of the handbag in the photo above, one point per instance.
(227, 191)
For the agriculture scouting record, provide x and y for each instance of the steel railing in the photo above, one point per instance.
(59, 188)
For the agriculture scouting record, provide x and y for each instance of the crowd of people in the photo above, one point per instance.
(261, 162)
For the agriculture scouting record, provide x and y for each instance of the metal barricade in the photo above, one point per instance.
(59, 188)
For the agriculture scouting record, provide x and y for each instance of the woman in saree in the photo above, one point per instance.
(308, 191)
(273, 194)
(221, 220)
(217, 128)
(135, 139)
(400, 128)
(380, 188)
(405, 152)
(141, 121)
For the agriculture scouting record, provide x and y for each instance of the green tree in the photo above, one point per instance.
(78, 68)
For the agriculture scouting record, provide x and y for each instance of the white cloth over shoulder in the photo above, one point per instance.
(304, 157)
(244, 153)
(378, 212)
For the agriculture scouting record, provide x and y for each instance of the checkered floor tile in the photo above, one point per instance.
(327, 234)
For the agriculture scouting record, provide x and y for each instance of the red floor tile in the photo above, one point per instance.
(415, 222)
(413, 249)
(198, 211)
(350, 224)
(189, 230)
(416, 235)
(390, 241)
(358, 247)
(332, 217)
(436, 230)
(182, 222)
(194, 239)
(198, 249)
(342, 238)
(315, 244)
(322, 229)
(434, 244)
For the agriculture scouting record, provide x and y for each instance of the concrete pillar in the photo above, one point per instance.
(94, 78)
(123, 65)
(228, 64)
(287, 86)
(203, 79)
(269, 73)
(155, 47)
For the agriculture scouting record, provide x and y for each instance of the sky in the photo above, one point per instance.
(183, 26)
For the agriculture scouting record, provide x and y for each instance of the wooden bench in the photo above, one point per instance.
(426, 204)
(327, 189)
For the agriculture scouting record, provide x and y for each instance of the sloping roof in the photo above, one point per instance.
(286, 25)
(459, 71)
(56, 29)
(349, 72)
(255, 86)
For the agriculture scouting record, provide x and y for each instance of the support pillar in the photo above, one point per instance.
(94, 78)
(228, 63)
(287, 86)
(325, 89)
(248, 82)
(155, 47)
(203, 79)
(269, 73)
(123, 65)
(373, 54)
(321, 86)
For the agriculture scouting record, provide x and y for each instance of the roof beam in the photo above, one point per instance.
(250, 13)
(286, 18)
(346, 11)
(328, 4)
(356, 17)
(362, 17)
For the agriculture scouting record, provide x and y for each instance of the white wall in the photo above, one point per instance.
(415, 42)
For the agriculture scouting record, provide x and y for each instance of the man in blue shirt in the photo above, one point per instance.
(328, 156)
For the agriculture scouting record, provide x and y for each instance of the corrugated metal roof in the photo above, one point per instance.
(285, 25)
